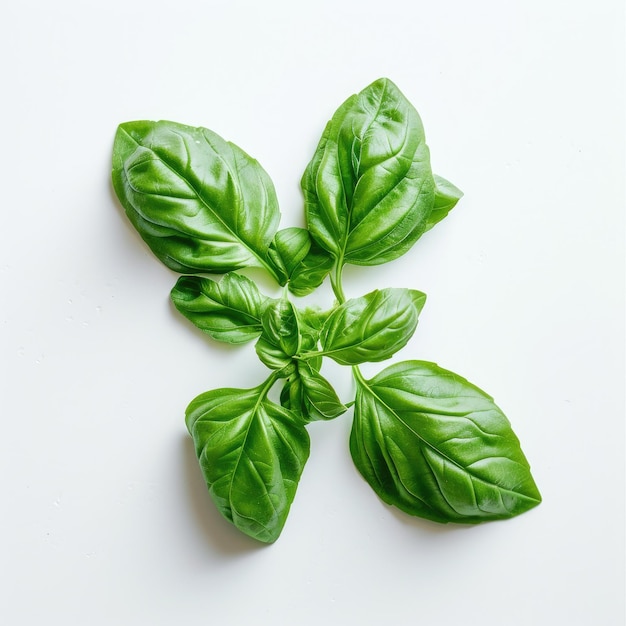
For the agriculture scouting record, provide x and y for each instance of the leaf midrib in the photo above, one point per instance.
(435, 449)
(236, 238)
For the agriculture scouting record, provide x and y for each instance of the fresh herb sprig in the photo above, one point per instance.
(424, 438)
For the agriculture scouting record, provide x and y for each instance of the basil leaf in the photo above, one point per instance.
(308, 393)
(446, 198)
(309, 337)
(369, 188)
(326, 214)
(314, 319)
(373, 327)
(310, 273)
(281, 337)
(320, 398)
(289, 247)
(281, 326)
(292, 396)
(251, 453)
(228, 310)
(201, 203)
(271, 354)
(299, 260)
(436, 446)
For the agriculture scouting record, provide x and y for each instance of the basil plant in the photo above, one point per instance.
(426, 440)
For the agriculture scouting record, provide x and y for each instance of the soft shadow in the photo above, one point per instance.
(426, 526)
(216, 530)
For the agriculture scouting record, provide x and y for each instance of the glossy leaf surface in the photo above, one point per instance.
(436, 446)
(251, 453)
(229, 310)
(426, 440)
(201, 203)
(369, 189)
(308, 393)
(288, 249)
(373, 327)
(299, 261)
(271, 354)
(280, 323)
(310, 273)
(280, 339)
(446, 198)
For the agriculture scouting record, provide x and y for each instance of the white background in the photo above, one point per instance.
(105, 518)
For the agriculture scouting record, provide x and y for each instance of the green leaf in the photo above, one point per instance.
(251, 453)
(299, 260)
(320, 398)
(281, 337)
(228, 310)
(201, 203)
(310, 273)
(271, 354)
(436, 446)
(292, 396)
(280, 324)
(446, 198)
(373, 327)
(310, 323)
(369, 188)
(308, 393)
(322, 186)
(288, 249)
(314, 319)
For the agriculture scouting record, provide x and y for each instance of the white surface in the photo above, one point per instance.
(105, 518)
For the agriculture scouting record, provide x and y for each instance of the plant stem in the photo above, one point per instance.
(358, 376)
(336, 282)
(337, 285)
(268, 384)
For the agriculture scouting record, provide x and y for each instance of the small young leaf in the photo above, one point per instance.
(320, 399)
(201, 203)
(308, 393)
(299, 261)
(271, 354)
(251, 453)
(289, 247)
(446, 198)
(369, 188)
(314, 319)
(228, 310)
(436, 446)
(292, 396)
(309, 336)
(310, 273)
(373, 327)
(281, 337)
(281, 326)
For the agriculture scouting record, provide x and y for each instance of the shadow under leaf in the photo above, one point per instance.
(217, 530)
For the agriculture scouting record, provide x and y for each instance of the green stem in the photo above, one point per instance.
(337, 285)
(336, 282)
(356, 372)
(268, 384)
